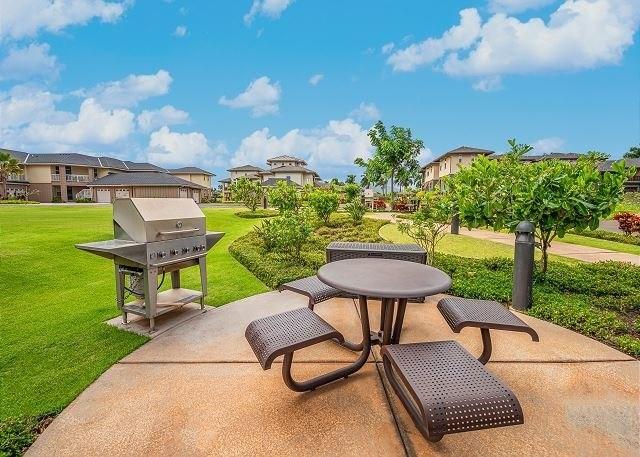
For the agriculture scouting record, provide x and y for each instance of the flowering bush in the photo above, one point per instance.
(629, 223)
(379, 205)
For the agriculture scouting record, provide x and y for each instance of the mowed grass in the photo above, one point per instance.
(55, 300)
(602, 244)
(464, 246)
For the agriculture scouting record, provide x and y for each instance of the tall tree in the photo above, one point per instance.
(351, 179)
(556, 196)
(8, 166)
(248, 192)
(633, 153)
(397, 151)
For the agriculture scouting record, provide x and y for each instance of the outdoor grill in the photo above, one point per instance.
(153, 237)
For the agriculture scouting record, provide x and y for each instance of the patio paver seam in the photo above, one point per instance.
(210, 362)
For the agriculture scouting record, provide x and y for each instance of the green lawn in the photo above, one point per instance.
(465, 246)
(602, 244)
(55, 299)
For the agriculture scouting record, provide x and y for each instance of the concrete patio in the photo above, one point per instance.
(197, 389)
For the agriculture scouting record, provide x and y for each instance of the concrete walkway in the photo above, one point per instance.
(574, 251)
(197, 389)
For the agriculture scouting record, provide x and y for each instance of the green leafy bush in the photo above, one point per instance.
(356, 210)
(83, 200)
(324, 203)
(18, 202)
(285, 196)
(56, 200)
(257, 214)
(286, 233)
(610, 236)
(248, 192)
(17, 433)
(352, 191)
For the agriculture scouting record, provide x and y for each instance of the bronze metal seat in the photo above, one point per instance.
(484, 314)
(446, 390)
(312, 287)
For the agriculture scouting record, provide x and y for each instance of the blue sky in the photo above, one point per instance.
(217, 84)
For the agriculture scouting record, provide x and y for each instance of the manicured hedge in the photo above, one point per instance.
(18, 202)
(610, 236)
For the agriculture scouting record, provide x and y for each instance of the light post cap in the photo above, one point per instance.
(525, 227)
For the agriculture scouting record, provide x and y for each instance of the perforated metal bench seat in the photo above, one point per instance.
(286, 332)
(446, 390)
(312, 287)
(484, 314)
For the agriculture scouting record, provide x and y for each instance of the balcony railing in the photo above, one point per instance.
(77, 178)
(55, 177)
(16, 177)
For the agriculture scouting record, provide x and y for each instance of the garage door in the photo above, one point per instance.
(184, 193)
(122, 193)
(196, 196)
(103, 196)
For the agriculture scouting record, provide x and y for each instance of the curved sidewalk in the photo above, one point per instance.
(197, 389)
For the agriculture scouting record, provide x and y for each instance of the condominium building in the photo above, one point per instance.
(447, 164)
(71, 176)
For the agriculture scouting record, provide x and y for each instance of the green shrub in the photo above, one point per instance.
(56, 200)
(352, 191)
(257, 214)
(248, 192)
(286, 233)
(18, 202)
(324, 203)
(356, 210)
(83, 200)
(610, 236)
(17, 433)
(628, 344)
(285, 196)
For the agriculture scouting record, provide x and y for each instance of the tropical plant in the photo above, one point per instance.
(352, 191)
(556, 196)
(351, 179)
(356, 210)
(633, 153)
(248, 192)
(287, 233)
(8, 167)
(396, 156)
(628, 223)
(428, 225)
(324, 203)
(285, 196)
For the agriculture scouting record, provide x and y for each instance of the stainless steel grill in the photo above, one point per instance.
(153, 237)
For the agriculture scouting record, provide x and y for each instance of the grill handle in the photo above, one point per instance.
(178, 232)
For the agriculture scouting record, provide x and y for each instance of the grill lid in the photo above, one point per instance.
(156, 219)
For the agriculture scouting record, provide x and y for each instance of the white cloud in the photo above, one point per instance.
(457, 37)
(315, 79)
(517, 6)
(180, 31)
(24, 18)
(547, 145)
(261, 96)
(330, 150)
(366, 112)
(167, 115)
(387, 48)
(488, 84)
(426, 156)
(24, 104)
(28, 62)
(580, 34)
(130, 90)
(173, 148)
(94, 124)
(269, 8)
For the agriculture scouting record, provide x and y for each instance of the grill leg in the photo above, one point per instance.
(486, 346)
(312, 384)
(150, 278)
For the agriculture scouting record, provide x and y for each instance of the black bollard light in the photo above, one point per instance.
(455, 224)
(523, 266)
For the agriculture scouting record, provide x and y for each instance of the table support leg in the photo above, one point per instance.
(486, 346)
(312, 384)
(397, 327)
(388, 304)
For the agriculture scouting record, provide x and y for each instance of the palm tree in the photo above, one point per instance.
(8, 166)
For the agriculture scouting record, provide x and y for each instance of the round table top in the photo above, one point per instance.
(384, 278)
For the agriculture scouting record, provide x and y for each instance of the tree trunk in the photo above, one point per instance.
(392, 173)
(545, 255)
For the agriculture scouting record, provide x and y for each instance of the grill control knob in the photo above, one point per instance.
(202, 247)
(185, 250)
(173, 252)
(195, 248)
(162, 254)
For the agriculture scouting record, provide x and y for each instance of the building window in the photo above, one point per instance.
(460, 160)
(67, 169)
(56, 170)
(95, 173)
